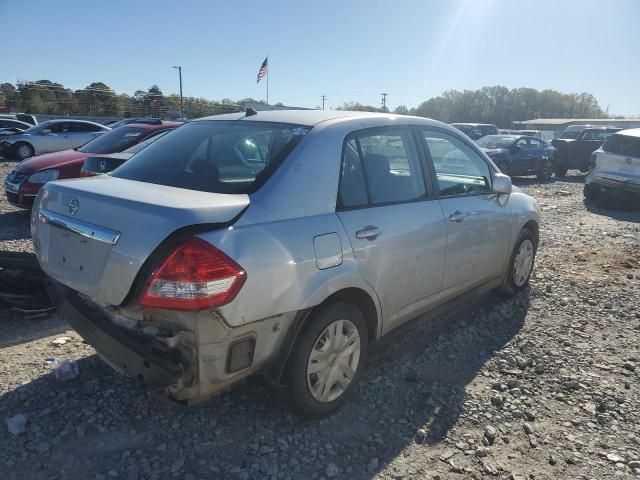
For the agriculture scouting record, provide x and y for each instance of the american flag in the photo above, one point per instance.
(263, 70)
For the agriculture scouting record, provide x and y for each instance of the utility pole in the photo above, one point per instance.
(384, 101)
(179, 67)
(323, 97)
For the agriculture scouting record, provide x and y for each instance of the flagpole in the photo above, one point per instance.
(268, 71)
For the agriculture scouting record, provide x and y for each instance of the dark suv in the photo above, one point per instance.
(476, 130)
(575, 153)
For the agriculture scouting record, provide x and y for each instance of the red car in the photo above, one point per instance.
(24, 182)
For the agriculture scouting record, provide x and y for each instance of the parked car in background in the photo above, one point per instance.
(519, 154)
(531, 133)
(549, 135)
(238, 244)
(24, 182)
(13, 123)
(23, 117)
(575, 154)
(51, 136)
(125, 121)
(10, 127)
(476, 130)
(615, 167)
(573, 131)
(99, 164)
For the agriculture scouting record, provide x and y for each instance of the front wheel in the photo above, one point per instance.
(521, 263)
(546, 170)
(327, 360)
(23, 150)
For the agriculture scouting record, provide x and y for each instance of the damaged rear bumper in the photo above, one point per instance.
(157, 365)
(189, 356)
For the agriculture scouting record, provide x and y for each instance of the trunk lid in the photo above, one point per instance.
(94, 234)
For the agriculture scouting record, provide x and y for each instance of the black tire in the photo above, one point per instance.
(545, 171)
(299, 395)
(23, 150)
(560, 170)
(509, 286)
(590, 193)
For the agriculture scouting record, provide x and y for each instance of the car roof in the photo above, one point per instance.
(300, 117)
(603, 128)
(73, 120)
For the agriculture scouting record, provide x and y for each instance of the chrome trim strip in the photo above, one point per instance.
(88, 230)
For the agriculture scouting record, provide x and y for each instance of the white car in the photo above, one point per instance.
(615, 167)
(51, 136)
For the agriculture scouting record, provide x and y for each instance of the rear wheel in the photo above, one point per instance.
(23, 150)
(327, 360)
(559, 169)
(545, 170)
(521, 263)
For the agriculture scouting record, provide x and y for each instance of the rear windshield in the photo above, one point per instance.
(623, 145)
(215, 156)
(114, 141)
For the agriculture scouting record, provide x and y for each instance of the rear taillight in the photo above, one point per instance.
(195, 276)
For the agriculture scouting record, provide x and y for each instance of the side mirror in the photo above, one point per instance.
(501, 183)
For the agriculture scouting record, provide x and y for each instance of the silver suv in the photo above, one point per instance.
(283, 242)
(614, 168)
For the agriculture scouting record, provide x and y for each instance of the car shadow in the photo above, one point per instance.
(18, 327)
(573, 177)
(618, 208)
(415, 380)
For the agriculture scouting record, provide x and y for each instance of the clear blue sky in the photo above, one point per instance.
(350, 50)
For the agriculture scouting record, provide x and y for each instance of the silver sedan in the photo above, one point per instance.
(51, 136)
(280, 242)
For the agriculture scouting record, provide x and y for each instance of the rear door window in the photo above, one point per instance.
(215, 156)
(380, 167)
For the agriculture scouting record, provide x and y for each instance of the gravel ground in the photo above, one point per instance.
(540, 386)
(14, 222)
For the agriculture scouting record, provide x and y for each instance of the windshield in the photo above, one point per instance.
(496, 141)
(139, 146)
(215, 156)
(114, 141)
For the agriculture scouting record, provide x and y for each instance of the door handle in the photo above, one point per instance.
(369, 232)
(457, 216)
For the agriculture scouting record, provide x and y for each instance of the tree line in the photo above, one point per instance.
(499, 105)
(99, 100)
